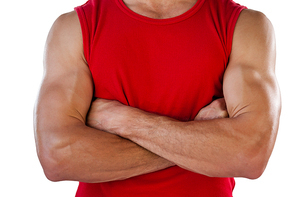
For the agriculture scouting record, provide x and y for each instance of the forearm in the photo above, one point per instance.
(89, 155)
(217, 147)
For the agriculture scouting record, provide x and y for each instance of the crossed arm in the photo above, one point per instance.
(114, 146)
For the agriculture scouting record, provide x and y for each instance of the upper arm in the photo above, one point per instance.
(250, 87)
(67, 89)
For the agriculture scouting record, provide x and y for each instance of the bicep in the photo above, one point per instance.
(250, 86)
(66, 90)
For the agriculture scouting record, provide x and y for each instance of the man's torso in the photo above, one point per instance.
(172, 67)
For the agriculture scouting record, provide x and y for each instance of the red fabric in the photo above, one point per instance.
(170, 67)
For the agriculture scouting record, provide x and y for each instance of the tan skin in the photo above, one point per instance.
(238, 146)
(160, 9)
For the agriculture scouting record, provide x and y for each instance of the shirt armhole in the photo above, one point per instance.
(232, 22)
(85, 31)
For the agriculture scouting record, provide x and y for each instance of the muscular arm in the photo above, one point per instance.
(238, 146)
(67, 148)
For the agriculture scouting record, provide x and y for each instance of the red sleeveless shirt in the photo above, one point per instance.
(171, 67)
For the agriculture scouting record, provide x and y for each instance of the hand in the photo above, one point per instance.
(107, 115)
(216, 109)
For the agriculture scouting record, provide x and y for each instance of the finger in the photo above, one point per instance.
(217, 109)
(222, 114)
(205, 114)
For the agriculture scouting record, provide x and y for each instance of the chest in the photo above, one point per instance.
(160, 69)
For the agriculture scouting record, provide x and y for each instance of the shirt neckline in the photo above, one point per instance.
(166, 21)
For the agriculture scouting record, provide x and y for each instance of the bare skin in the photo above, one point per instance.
(160, 9)
(70, 150)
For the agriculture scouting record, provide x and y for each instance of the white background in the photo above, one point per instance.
(24, 27)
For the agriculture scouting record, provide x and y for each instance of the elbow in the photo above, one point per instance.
(53, 174)
(254, 161)
(54, 161)
(53, 146)
(256, 147)
(54, 171)
(53, 167)
(253, 171)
